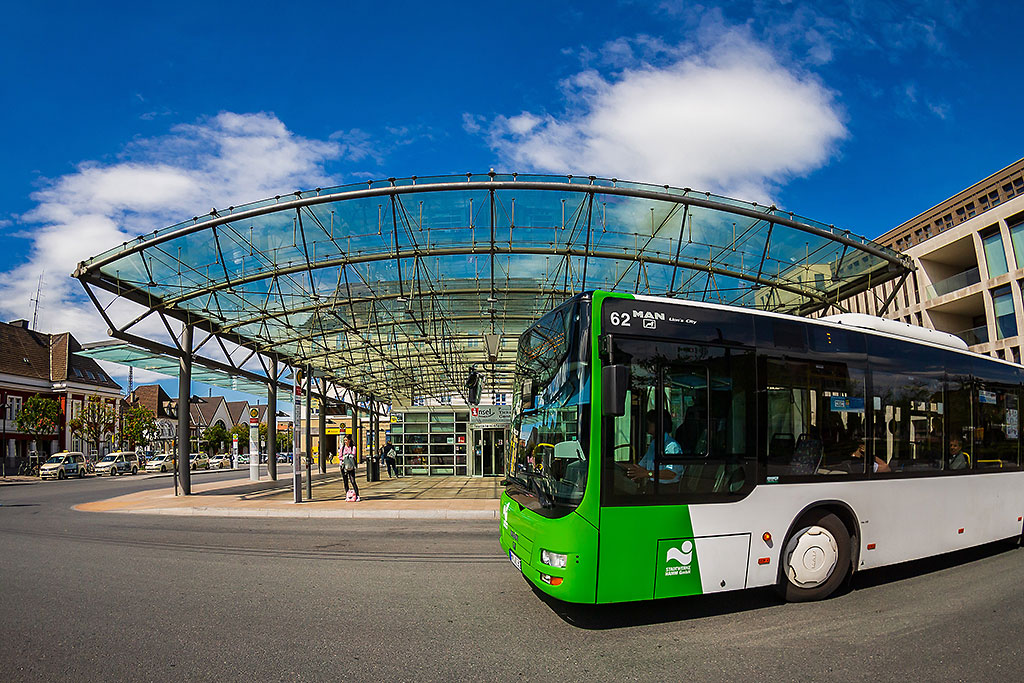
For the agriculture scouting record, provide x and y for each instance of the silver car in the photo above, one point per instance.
(120, 462)
(161, 462)
(198, 461)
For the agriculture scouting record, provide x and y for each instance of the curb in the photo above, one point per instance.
(318, 514)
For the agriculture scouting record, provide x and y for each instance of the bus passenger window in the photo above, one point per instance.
(996, 426)
(684, 434)
(815, 417)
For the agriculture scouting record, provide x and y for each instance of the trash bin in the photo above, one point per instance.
(373, 469)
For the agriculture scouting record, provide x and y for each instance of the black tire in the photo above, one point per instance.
(817, 530)
(60, 474)
(135, 470)
(113, 471)
(81, 473)
(163, 469)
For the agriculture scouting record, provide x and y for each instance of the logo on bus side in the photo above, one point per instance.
(683, 555)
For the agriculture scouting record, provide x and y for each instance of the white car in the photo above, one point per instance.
(198, 461)
(220, 461)
(64, 465)
(161, 462)
(120, 462)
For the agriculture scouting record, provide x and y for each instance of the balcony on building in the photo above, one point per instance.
(951, 268)
(964, 317)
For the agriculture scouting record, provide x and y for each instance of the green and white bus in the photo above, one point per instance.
(665, 448)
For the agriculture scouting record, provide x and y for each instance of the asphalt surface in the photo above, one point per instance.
(93, 596)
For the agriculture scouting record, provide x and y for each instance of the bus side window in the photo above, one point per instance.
(815, 417)
(909, 405)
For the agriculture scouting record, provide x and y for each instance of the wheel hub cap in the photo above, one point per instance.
(811, 557)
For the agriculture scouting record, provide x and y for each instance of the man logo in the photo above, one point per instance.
(683, 555)
(648, 315)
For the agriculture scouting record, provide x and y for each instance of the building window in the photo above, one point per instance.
(500, 399)
(1002, 304)
(995, 255)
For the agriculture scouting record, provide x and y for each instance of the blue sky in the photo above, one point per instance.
(119, 118)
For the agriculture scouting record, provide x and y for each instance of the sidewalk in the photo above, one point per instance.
(405, 498)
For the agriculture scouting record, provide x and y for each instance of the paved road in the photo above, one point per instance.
(106, 596)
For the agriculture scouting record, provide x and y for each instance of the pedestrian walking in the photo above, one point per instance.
(348, 468)
(388, 453)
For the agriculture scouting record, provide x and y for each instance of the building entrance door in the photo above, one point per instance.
(489, 452)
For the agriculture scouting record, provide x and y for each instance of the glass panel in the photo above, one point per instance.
(1017, 239)
(961, 424)
(815, 419)
(553, 373)
(1002, 305)
(908, 401)
(995, 255)
(997, 426)
(685, 434)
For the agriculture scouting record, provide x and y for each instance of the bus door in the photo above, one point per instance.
(685, 438)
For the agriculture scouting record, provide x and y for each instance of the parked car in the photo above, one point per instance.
(284, 457)
(119, 462)
(161, 462)
(198, 461)
(64, 465)
(221, 461)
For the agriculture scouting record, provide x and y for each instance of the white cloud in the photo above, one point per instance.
(729, 119)
(224, 160)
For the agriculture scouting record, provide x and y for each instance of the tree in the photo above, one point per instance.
(94, 421)
(39, 417)
(216, 437)
(284, 442)
(138, 425)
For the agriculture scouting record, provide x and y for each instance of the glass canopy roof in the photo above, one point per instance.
(388, 287)
(127, 354)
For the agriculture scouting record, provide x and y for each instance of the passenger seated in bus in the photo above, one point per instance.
(959, 459)
(644, 470)
(878, 465)
(692, 432)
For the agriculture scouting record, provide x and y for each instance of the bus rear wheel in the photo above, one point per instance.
(815, 559)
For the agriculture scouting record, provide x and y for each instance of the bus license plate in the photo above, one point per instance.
(515, 560)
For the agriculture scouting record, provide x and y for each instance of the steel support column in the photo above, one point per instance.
(185, 410)
(322, 431)
(272, 420)
(307, 441)
(296, 452)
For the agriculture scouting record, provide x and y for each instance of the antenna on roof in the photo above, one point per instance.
(35, 300)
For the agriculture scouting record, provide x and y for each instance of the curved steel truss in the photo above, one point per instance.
(388, 288)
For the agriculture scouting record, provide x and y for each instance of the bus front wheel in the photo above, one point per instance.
(815, 559)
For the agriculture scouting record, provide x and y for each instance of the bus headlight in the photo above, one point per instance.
(551, 559)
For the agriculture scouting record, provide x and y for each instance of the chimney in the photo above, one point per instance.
(23, 324)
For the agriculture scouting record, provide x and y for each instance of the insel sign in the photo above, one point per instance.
(491, 415)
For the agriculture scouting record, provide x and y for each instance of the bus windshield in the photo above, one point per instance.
(552, 412)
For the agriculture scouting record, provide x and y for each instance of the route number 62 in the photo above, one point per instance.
(619, 319)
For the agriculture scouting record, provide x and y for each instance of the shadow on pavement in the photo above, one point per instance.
(930, 565)
(649, 612)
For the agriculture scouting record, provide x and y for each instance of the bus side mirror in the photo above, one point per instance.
(614, 385)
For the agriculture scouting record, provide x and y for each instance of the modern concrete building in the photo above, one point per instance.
(968, 253)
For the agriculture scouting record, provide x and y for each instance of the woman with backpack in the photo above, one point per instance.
(348, 466)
